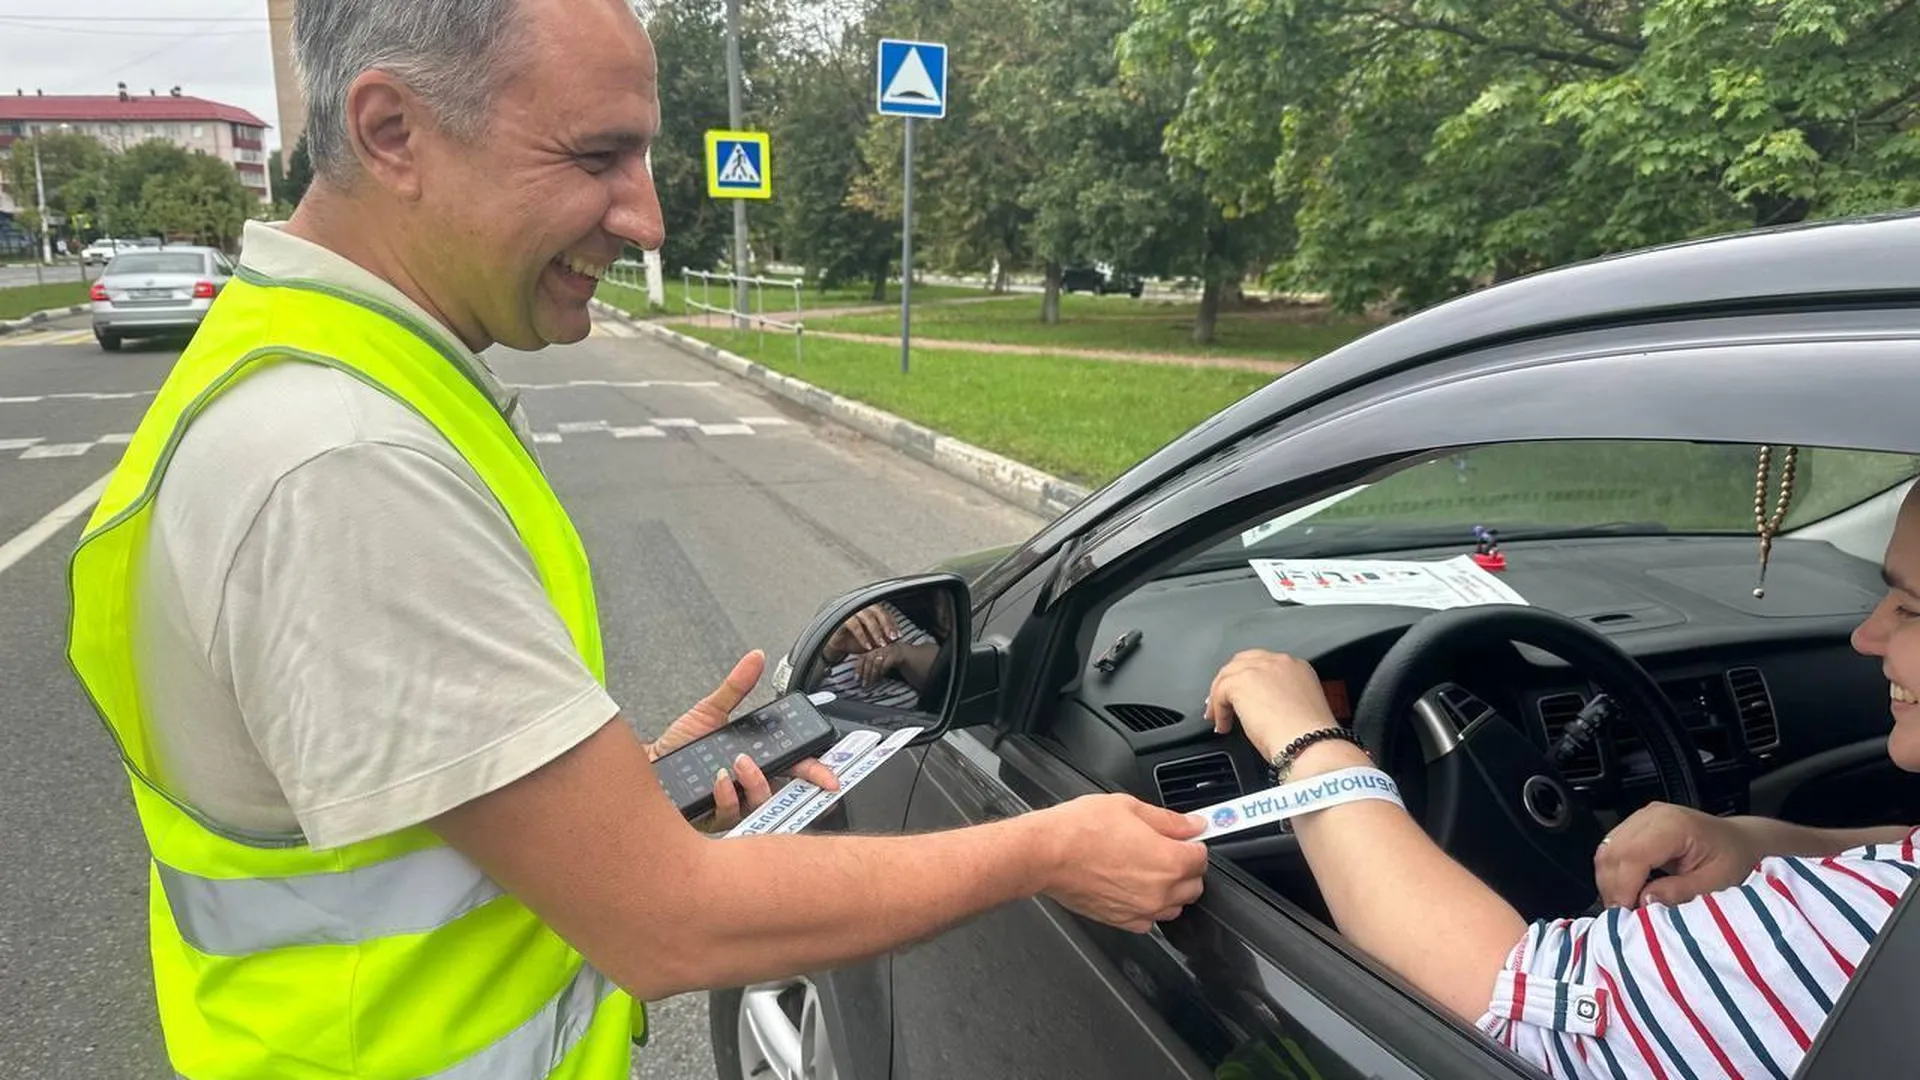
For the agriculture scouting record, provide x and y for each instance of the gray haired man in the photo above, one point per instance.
(399, 827)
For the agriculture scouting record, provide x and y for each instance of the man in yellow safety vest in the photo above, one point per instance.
(344, 633)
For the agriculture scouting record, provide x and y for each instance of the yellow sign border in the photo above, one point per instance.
(714, 190)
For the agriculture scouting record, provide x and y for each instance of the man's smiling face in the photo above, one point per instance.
(535, 209)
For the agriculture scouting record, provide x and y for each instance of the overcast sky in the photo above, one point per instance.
(215, 49)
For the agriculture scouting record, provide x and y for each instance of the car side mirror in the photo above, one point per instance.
(892, 654)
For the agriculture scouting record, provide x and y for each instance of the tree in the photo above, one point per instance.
(823, 106)
(201, 199)
(1425, 147)
(72, 168)
(291, 183)
(690, 40)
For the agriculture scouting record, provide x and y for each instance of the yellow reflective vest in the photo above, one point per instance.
(395, 957)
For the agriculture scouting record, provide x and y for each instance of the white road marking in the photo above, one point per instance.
(546, 437)
(47, 337)
(765, 421)
(19, 444)
(578, 427)
(116, 439)
(725, 429)
(122, 395)
(675, 422)
(48, 527)
(48, 450)
(644, 431)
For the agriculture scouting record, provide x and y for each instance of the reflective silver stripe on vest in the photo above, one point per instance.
(411, 894)
(537, 1047)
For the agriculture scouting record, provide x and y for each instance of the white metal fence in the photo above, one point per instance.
(756, 315)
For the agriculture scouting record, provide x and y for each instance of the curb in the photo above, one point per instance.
(38, 317)
(1021, 485)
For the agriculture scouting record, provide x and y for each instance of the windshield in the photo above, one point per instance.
(155, 263)
(1566, 489)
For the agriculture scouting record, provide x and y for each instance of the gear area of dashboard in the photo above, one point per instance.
(1759, 683)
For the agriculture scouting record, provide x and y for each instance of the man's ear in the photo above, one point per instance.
(385, 121)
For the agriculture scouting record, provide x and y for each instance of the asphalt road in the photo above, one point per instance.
(706, 541)
(11, 276)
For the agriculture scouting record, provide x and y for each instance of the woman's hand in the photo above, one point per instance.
(1275, 699)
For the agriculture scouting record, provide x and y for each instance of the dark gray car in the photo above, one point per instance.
(159, 290)
(1612, 422)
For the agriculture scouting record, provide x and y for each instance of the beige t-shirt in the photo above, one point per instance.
(339, 632)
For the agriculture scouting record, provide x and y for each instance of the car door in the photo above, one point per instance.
(1231, 989)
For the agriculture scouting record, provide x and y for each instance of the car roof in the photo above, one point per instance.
(1873, 258)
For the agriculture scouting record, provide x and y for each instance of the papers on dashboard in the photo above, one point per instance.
(1457, 582)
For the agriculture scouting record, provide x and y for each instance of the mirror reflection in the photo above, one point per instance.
(892, 654)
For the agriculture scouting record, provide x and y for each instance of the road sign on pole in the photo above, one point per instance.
(910, 80)
(739, 165)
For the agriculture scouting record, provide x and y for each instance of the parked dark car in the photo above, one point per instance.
(1607, 421)
(1100, 281)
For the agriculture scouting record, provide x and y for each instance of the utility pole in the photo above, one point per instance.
(40, 191)
(736, 122)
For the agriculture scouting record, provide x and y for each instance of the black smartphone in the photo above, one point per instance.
(776, 736)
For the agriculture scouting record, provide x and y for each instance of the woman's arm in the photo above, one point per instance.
(1391, 890)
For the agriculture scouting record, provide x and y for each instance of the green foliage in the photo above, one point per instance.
(1426, 147)
(823, 106)
(199, 198)
(690, 40)
(153, 189)
(70, 168)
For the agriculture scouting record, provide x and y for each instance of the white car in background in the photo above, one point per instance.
(149, 291)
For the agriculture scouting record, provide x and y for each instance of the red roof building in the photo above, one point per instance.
(123, 120)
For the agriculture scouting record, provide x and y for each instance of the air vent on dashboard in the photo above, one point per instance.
(1145, 717)
(1195, 782)
(1556, 712)
(1754, 705)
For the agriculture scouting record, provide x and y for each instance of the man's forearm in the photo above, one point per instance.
(752, 908)
(1774, 837)
(1381, 874)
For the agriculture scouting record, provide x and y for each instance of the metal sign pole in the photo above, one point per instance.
(739, 205)
(906, 253)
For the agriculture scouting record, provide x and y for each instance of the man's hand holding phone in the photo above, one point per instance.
(743, 787)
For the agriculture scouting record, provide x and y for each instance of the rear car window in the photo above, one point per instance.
(158, 263)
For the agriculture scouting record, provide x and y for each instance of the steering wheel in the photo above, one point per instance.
(1495, 801)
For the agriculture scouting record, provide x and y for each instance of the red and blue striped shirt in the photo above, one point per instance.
(1733, 984)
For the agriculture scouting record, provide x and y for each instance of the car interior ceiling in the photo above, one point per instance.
(1786, 718)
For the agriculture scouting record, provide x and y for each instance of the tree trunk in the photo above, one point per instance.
(1209, 315)
(1050, 303)
(999, 277)
(880, 284)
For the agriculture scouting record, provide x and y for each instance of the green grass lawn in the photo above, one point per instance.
(27, 299)
(1084, 420)
(1121, 323)
(778, 303)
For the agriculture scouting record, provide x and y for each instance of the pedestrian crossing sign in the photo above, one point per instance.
(737, 165)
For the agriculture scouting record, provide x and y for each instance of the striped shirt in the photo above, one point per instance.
(889, 690)
(1732, 984)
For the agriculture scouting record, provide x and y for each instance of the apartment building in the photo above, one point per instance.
(124, 120)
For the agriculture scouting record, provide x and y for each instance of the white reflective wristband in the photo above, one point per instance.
(1320, 792)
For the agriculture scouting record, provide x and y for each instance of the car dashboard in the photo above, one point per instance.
(1760, 683)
